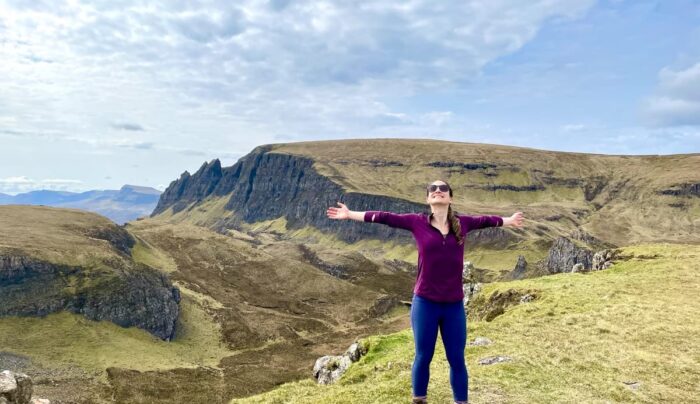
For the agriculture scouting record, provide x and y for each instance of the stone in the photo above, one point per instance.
(527, 298)
(520, 267)
(578, 268)
(40, 401)
(355, 351)
(24, 388)
(564, 254)
(15, 388)
(634, 385)
(8, 385)
(480, 341)
(328, 369)
(490, 360)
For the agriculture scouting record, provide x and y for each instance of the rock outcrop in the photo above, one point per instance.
(470, 285)
(489, 308)
(329, 369)
(685, 190)
(520, 268)
(603, 259)
(564, 254)
(17, 388)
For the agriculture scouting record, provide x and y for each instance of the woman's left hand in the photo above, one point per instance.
(514, 221)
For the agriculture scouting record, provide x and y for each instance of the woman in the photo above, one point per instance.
(438, 294)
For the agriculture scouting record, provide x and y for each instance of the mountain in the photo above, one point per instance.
(126, 204)
(268, 283)
(616, 200)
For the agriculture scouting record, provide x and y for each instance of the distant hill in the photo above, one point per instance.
(126, 204)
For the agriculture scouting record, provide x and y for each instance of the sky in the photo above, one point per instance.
(98, 94)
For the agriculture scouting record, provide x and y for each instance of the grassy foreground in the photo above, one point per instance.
(579, 342)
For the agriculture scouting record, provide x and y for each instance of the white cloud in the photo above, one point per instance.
(677, 102)
(309, 66)
(15, 185)
(144, 82)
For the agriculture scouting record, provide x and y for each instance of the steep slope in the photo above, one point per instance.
(59, 259)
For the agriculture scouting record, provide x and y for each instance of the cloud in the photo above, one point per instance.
(15, 185)
(573, 127)
(134, 127)
(306, 66)
(677, 98)
(179, 81)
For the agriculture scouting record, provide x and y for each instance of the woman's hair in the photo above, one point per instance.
(452, 219)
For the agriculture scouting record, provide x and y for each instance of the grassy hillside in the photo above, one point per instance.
(605, 194)
(580, 341)
(57, 235)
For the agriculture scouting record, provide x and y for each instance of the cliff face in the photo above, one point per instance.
(139, 297)
(266, 185)
(55, 259)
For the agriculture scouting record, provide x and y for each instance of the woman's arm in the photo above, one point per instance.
(344, 213)
(515, 220)
(480, 222)
(402, 221)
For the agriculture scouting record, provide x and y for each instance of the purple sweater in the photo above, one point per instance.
(440, 258)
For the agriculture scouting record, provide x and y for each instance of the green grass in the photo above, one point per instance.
(578, 342)
(146, 254)
(62, 338)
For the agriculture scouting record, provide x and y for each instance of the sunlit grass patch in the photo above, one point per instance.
(586, 338)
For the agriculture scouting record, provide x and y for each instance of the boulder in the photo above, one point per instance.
(330, 368)
(17, 388)
(603, 259)
(564, 254)
(469, 284)
(578, 268)
(480, 341)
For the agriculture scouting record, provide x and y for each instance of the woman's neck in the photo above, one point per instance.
(440, 215)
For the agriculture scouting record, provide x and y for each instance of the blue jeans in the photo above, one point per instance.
(426, 317)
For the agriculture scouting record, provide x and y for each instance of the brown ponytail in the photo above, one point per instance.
(455, 225)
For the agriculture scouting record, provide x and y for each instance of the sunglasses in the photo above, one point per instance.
(441, 187)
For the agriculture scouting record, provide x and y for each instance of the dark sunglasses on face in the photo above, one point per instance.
(441, 187)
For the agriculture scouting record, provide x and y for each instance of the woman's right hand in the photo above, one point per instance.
(338, 213)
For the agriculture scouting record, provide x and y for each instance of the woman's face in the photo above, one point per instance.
(439, 197)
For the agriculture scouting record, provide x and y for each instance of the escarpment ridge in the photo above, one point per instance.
(560, 192)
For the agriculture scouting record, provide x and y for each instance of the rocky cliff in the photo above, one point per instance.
(80, 262)
(266, 185)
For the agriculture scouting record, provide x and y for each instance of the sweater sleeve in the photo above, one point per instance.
(479, 222)
(401, 221)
